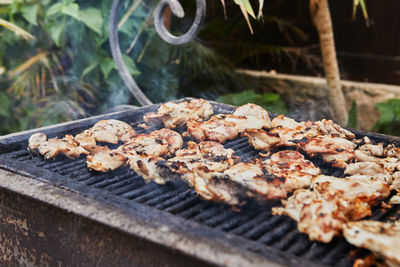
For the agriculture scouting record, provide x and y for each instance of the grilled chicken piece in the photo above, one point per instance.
(145, 152)
(321, 213)
(151, 168)
(36, 140)
(207, 154)
(67, 146)
(371, 169)
(315, 216)
(226, 127)
(106, 131)
(215, 129)
(335, 150)
(289, 170)
(354, 195)
(161, 143)
(381, 238)
(174, 115)
(250, 116)
(143, 147)
(103, 159)
(262, 140)
(395, 199)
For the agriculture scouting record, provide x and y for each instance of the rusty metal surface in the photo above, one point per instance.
(29, 206)
(34, 233)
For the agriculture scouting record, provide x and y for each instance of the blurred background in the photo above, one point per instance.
(56, 64)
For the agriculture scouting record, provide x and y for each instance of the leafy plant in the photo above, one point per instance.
(389, 120)
(269, 101)
(352, 123)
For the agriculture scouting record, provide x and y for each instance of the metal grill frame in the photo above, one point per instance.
(212, 246)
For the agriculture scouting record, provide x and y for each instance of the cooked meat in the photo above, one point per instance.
(339, 160)
(395, 199)
(174, 115)
(284, 122)
(328, 127)
(112, 131)
(372, 150)
(161, 143)
(103, 159)
(150, 168)
(86, 140)
(392, 151)
(36, 140)
(202, 166)
(321, 137)
(105, 131)
(262, 140)
(290, 170)
(381, 238)
(315, 216)
(215, 129)
(354, 195)
(322, 212)
(213, 186)
(67, 146)
(371, 169)
(226, 127)
(207, 154)
(250, 116)
(335, 150)
(310, 129)
(254, 183)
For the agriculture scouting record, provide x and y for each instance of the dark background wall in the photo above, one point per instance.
(369, 53)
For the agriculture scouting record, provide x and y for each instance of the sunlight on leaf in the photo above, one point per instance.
(363, 6)
(30, 13)
(27, 64)
(17, 30)
(224, 7)
(92, 18)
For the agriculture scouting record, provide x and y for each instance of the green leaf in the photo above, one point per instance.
(271, 102)
(29, 13)
(4, 105)
(130, 64)
(90, 68)
(71, 10)
(389, 120)
(352, 123)
(56, 30)
(54, 9)
(92, 18)
(106, 66)
(246, 4)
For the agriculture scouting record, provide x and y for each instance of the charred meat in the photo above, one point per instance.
(173, 115)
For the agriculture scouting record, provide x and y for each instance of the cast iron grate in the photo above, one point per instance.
(254, 222)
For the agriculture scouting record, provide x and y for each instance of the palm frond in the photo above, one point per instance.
(17, 30)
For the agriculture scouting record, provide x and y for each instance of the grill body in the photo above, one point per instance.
(59, 212)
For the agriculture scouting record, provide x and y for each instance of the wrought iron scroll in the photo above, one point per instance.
(177, 10)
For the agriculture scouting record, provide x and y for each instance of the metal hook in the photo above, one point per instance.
(178, 11)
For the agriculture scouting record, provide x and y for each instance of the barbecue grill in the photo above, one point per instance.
(57, 211)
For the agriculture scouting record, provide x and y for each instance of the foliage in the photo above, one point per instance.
(66, 71)
(269, 101)
(389, 120)
(352, 123)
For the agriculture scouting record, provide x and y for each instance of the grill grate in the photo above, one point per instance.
(254, 222)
